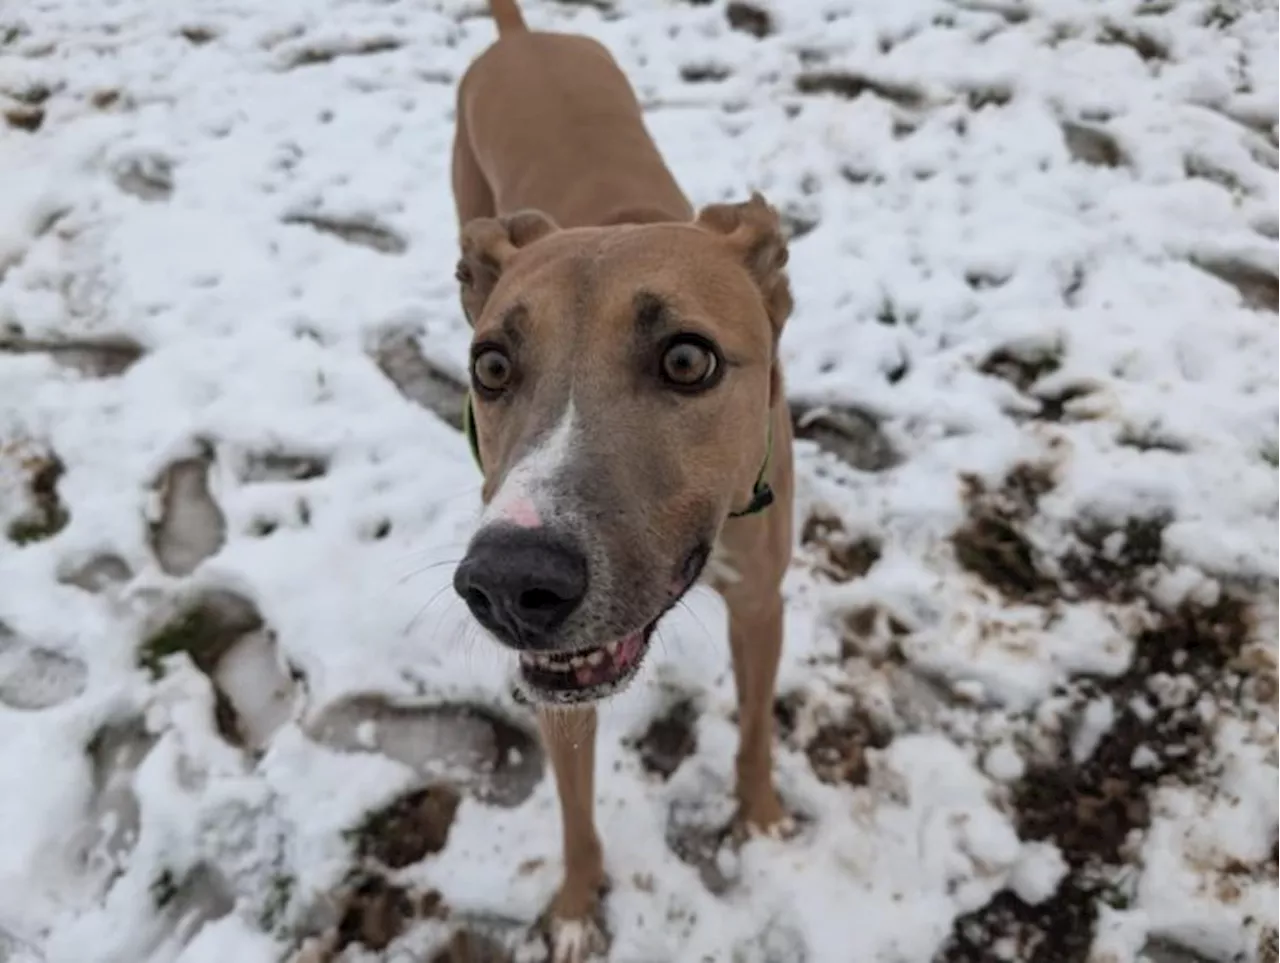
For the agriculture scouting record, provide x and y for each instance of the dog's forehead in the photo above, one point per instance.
(582, 282)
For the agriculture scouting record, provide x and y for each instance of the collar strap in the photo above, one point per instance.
(761, 493)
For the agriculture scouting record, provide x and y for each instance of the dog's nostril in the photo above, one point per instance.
(477, 601)
(540, 600)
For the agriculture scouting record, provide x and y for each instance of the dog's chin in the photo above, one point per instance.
(584, 675)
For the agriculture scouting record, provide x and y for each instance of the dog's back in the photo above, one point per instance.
(552, 123)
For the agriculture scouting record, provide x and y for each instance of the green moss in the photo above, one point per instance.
(189, 632)
(280, 890)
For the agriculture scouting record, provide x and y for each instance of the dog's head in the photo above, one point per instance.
(621, 386)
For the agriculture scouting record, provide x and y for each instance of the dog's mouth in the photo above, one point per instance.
(597, 672)
(585, 675)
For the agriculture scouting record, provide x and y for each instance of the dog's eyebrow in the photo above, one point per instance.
(514, 321)
(652, 313)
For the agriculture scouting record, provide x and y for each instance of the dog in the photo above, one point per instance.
(626, 409)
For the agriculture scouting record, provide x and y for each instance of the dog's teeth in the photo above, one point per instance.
(577, 661)
(613, 648)
(595, 658)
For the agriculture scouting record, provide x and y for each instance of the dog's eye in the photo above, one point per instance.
(491, 371)
(689, 364)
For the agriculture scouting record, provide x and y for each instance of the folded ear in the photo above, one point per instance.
(754, 230)
(488, 244)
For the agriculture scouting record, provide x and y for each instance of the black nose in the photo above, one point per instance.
(521, 584)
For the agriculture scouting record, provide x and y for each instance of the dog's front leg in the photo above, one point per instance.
(755, 635)
(570, 738)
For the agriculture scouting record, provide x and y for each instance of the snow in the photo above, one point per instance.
(187, 189)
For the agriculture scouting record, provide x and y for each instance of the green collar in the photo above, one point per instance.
(761, 493)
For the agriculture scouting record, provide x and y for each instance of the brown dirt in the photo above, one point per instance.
(1021, 371)
(837, 555)
(850, 434)
(1092, 145)
(670, 739)
(410, 829)
(1259, 289)
(749, 18)
(838, 751)
(1059, 930)
(853, 85)
(992, 545)
(47, 515)
(361, 232)
(378, 911)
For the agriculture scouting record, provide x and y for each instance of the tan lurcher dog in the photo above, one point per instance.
(626, 408)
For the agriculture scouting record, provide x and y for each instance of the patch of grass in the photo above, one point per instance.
(164, 889)
(280, 890)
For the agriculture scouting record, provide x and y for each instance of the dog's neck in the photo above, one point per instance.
(642, 215)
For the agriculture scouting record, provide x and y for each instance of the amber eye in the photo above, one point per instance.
(690, 364)
(491, 370)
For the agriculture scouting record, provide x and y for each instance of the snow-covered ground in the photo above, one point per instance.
(1028, 702)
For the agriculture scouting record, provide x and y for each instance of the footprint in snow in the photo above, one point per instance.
(467, 746)
(33, 677)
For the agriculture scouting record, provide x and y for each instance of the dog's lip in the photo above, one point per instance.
(586, 674)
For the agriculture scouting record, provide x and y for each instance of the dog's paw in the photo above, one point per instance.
(575, 941)
(782, 827)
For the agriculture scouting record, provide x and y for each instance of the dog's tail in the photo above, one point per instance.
(506, 14)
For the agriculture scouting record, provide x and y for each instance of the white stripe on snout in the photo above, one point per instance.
(525, 497)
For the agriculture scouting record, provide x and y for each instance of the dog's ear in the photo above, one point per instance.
(488, 243)
(754, 230)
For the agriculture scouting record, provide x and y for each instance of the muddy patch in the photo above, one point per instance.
(1092, 145)
(410, 829)
(1021, 368)
(312, 54)
(1259, 288)
(836, 554)
(749, 19)
(670, 739)
(850, 434)
(1150, 731)
(851, 85)
(400, 358)
(1145, 45)
(37, 472)
(704, 73)
(1059, 930)
(993, 545)
(469, 747)
(99, 358)
(360, 231)
(838, 750)
(191, 526)
(1108, 560)
(25, 117)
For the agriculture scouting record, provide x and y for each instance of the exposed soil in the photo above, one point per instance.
(410, 829)
(670, 739)
(46, 515)
(749, 18)
(838, 556)
(853, 85)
